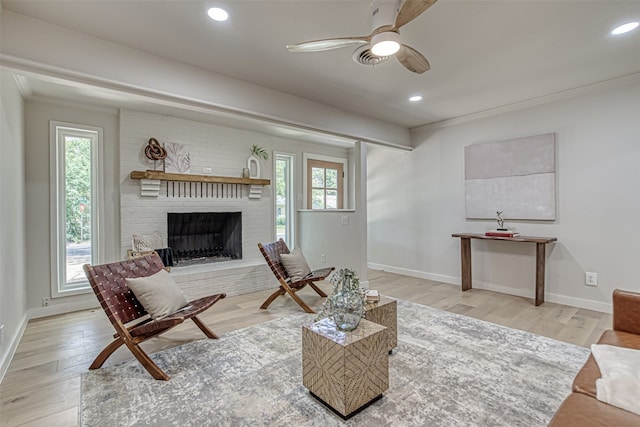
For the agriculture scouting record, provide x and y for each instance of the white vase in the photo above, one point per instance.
(253, 164)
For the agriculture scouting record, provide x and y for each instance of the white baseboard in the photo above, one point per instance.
(415, 273)
(7, 356)
(35, 313)
(550, 297)
(52, 310)
(580, 303)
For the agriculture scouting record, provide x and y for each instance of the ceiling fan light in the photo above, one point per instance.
(385, 44)
(218, 14)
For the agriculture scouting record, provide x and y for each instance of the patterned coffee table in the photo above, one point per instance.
(385, 313)
(347, 371)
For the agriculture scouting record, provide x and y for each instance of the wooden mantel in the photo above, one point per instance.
(197, 178)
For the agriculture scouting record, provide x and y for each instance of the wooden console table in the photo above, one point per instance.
(465, 251)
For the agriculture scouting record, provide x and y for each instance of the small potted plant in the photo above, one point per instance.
(257, 153)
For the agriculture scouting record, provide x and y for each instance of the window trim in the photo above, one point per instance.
(345, 169)
(291, 208)
(57, 203)
(325, 165)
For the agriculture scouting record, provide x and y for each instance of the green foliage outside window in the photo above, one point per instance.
(281, 194)
(78, 189)
(281, 174)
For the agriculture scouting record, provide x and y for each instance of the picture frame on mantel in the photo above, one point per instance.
(515, 176)
(178, 159)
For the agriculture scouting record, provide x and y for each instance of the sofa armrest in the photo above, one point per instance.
(626, 311)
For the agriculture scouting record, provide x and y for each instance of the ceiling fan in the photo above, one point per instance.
(384, 37)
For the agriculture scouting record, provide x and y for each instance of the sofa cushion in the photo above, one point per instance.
(626, 316)
(585, 381)
(585, 411)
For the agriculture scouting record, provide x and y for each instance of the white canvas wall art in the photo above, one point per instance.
(515, 176)
(177, 160)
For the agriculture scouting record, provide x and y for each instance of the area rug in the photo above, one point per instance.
(448, 370)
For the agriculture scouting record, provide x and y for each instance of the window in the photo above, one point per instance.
(324, 184)
(285, 201)
(75, 186)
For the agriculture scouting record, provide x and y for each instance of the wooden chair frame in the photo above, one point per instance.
(271, 253)
(129, 318)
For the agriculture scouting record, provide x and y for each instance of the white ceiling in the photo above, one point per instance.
(484, 54)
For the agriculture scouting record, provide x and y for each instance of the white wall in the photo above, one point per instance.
(299, 149)
(38, 113)
(416, 201)
(338, 238)
(332, 235)
(13, 305)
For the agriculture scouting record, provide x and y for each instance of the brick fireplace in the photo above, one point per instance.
(146, 215)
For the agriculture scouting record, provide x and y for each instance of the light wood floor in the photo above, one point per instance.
(42, 386)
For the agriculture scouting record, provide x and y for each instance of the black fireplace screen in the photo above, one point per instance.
(205, 236)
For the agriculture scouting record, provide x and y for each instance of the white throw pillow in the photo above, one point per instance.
(158, 294)
(295, 264)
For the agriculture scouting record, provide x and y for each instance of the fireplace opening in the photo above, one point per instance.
(203, 237)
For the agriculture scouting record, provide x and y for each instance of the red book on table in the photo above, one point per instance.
(498, 233)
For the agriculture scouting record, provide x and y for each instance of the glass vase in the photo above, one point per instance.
(347, 310)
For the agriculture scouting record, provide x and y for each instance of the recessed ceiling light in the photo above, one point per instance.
(625, 28)
(415, 98)
(218, 14)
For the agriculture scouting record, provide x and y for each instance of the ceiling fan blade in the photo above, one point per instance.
(412, 60)
(327, 44)
(410, 10)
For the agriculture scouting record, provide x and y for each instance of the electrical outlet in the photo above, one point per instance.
(46, 302)
(323, 258)
(207, 170)
(345, 220)
(591, 279)
(1, 335)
